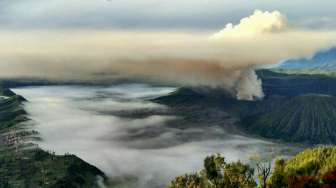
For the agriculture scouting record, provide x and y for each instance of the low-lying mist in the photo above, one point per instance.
(142, 152)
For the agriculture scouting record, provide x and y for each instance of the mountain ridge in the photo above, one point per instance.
(322, 60)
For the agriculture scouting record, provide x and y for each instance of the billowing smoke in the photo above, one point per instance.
(223, 59)
(249, 86)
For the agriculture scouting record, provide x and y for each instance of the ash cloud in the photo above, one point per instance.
(219, 60)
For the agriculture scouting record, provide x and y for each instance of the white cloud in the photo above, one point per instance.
(258, 23)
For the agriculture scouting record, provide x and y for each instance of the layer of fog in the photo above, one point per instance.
(147, 150)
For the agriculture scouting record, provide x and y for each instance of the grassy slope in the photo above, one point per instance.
(312, 162)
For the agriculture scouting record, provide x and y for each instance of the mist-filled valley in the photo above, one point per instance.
(102, 125)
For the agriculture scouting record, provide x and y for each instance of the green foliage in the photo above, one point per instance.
(37, 168)
(213, 167)
(188, 181)
(278, 179)
(312, 168)
(312, 162)
(217, 174)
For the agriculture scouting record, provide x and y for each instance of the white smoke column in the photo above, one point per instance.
(249, 87)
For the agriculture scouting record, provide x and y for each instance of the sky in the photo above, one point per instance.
(156, 14)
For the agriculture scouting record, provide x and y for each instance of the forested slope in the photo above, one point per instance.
(312, 168)
(24, 165)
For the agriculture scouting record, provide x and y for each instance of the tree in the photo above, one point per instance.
(239, 175)
(277, 178)
(213, 169)
(217, 173)
(263, 166)
(187, 181)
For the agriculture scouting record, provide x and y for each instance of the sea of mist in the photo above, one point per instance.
(140, 151)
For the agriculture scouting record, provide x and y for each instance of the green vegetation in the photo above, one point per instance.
(312, 168)
(37, 168)
(24, 165)
(217, 173)
(312, 162)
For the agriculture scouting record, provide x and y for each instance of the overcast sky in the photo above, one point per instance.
(156, 14)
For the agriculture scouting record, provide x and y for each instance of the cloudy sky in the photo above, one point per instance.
(215, 43)
(157, 14)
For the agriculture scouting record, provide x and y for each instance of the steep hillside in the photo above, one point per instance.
(23, 164)
(314, 168)
(307, 118)
(312, 162)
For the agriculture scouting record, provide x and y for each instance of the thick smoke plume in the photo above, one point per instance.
(249, 86)
(225, 59)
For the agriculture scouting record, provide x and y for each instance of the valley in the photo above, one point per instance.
(107, 125)
(145, 146)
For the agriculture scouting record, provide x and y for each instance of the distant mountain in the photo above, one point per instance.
(320, 62)
(297, 108)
